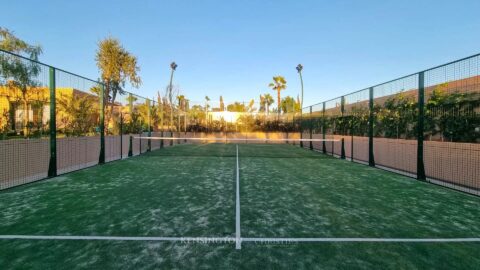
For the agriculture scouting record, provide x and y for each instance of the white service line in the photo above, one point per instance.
(388, 240)
(118, 238)
(238, 239)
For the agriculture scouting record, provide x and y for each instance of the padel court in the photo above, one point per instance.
(237, 205)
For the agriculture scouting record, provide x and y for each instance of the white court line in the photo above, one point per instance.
(236, 139)
(388, 240)
(117, 238)
(231, 239)
(238, 240)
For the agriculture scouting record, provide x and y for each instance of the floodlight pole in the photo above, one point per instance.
(173, 67)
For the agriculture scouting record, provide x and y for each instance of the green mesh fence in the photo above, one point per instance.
(53, 122)
(425, 125)
(24, 120)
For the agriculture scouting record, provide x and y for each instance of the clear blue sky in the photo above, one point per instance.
(233, 48)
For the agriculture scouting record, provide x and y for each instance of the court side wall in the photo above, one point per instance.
(450, 164)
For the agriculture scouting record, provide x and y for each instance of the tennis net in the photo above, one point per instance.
(225, 146)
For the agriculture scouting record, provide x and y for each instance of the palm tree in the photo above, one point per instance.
(279, 84)
(207, 99)
(268, 101)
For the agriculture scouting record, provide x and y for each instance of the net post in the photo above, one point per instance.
(371, 157)
(149, 148)
(121, 135)
(310, 121)
(101, 159)
(52, 166)
(324, 132)
(342, 111)
(420, 127)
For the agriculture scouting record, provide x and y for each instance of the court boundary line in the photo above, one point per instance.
(235, 239)
(238, 240)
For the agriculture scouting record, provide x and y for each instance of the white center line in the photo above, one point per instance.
(238, 240)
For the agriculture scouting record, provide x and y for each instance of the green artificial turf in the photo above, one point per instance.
(189, 191)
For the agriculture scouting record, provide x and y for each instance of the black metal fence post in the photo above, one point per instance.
(101, 159)
(324, 132)
(121, 135)
(149, 148)
(420, 126)
(371, 156)
(130, 146)
(342, 111)
(310, 121)
(52, 166)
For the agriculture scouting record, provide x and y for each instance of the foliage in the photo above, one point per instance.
(222, 104)
(78, 114)
(236, 107)
(117, 67)
(454, 116)
(279, 84)
(265, 101)
(17, 73)
(4, 124)
(289, 105)
(397, 117)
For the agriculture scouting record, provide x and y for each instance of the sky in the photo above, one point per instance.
(234, 48)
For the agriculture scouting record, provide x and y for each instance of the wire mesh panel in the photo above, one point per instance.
(452, 125)
(333, 125)
(316, 119)
(24, 120)
(395, 126)
(356, 114)
(78, 121)
(116, 111)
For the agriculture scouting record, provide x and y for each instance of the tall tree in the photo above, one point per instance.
(117, 67)
(160, 111)
(268, 101)
(279, 84)
(222, 105)
(181, 106)
(181, 102)
(17, 73)
(262, 104)
(289, 105)
(207, 99)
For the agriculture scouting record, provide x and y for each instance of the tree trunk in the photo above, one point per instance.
(109, 114)
(278, 100)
